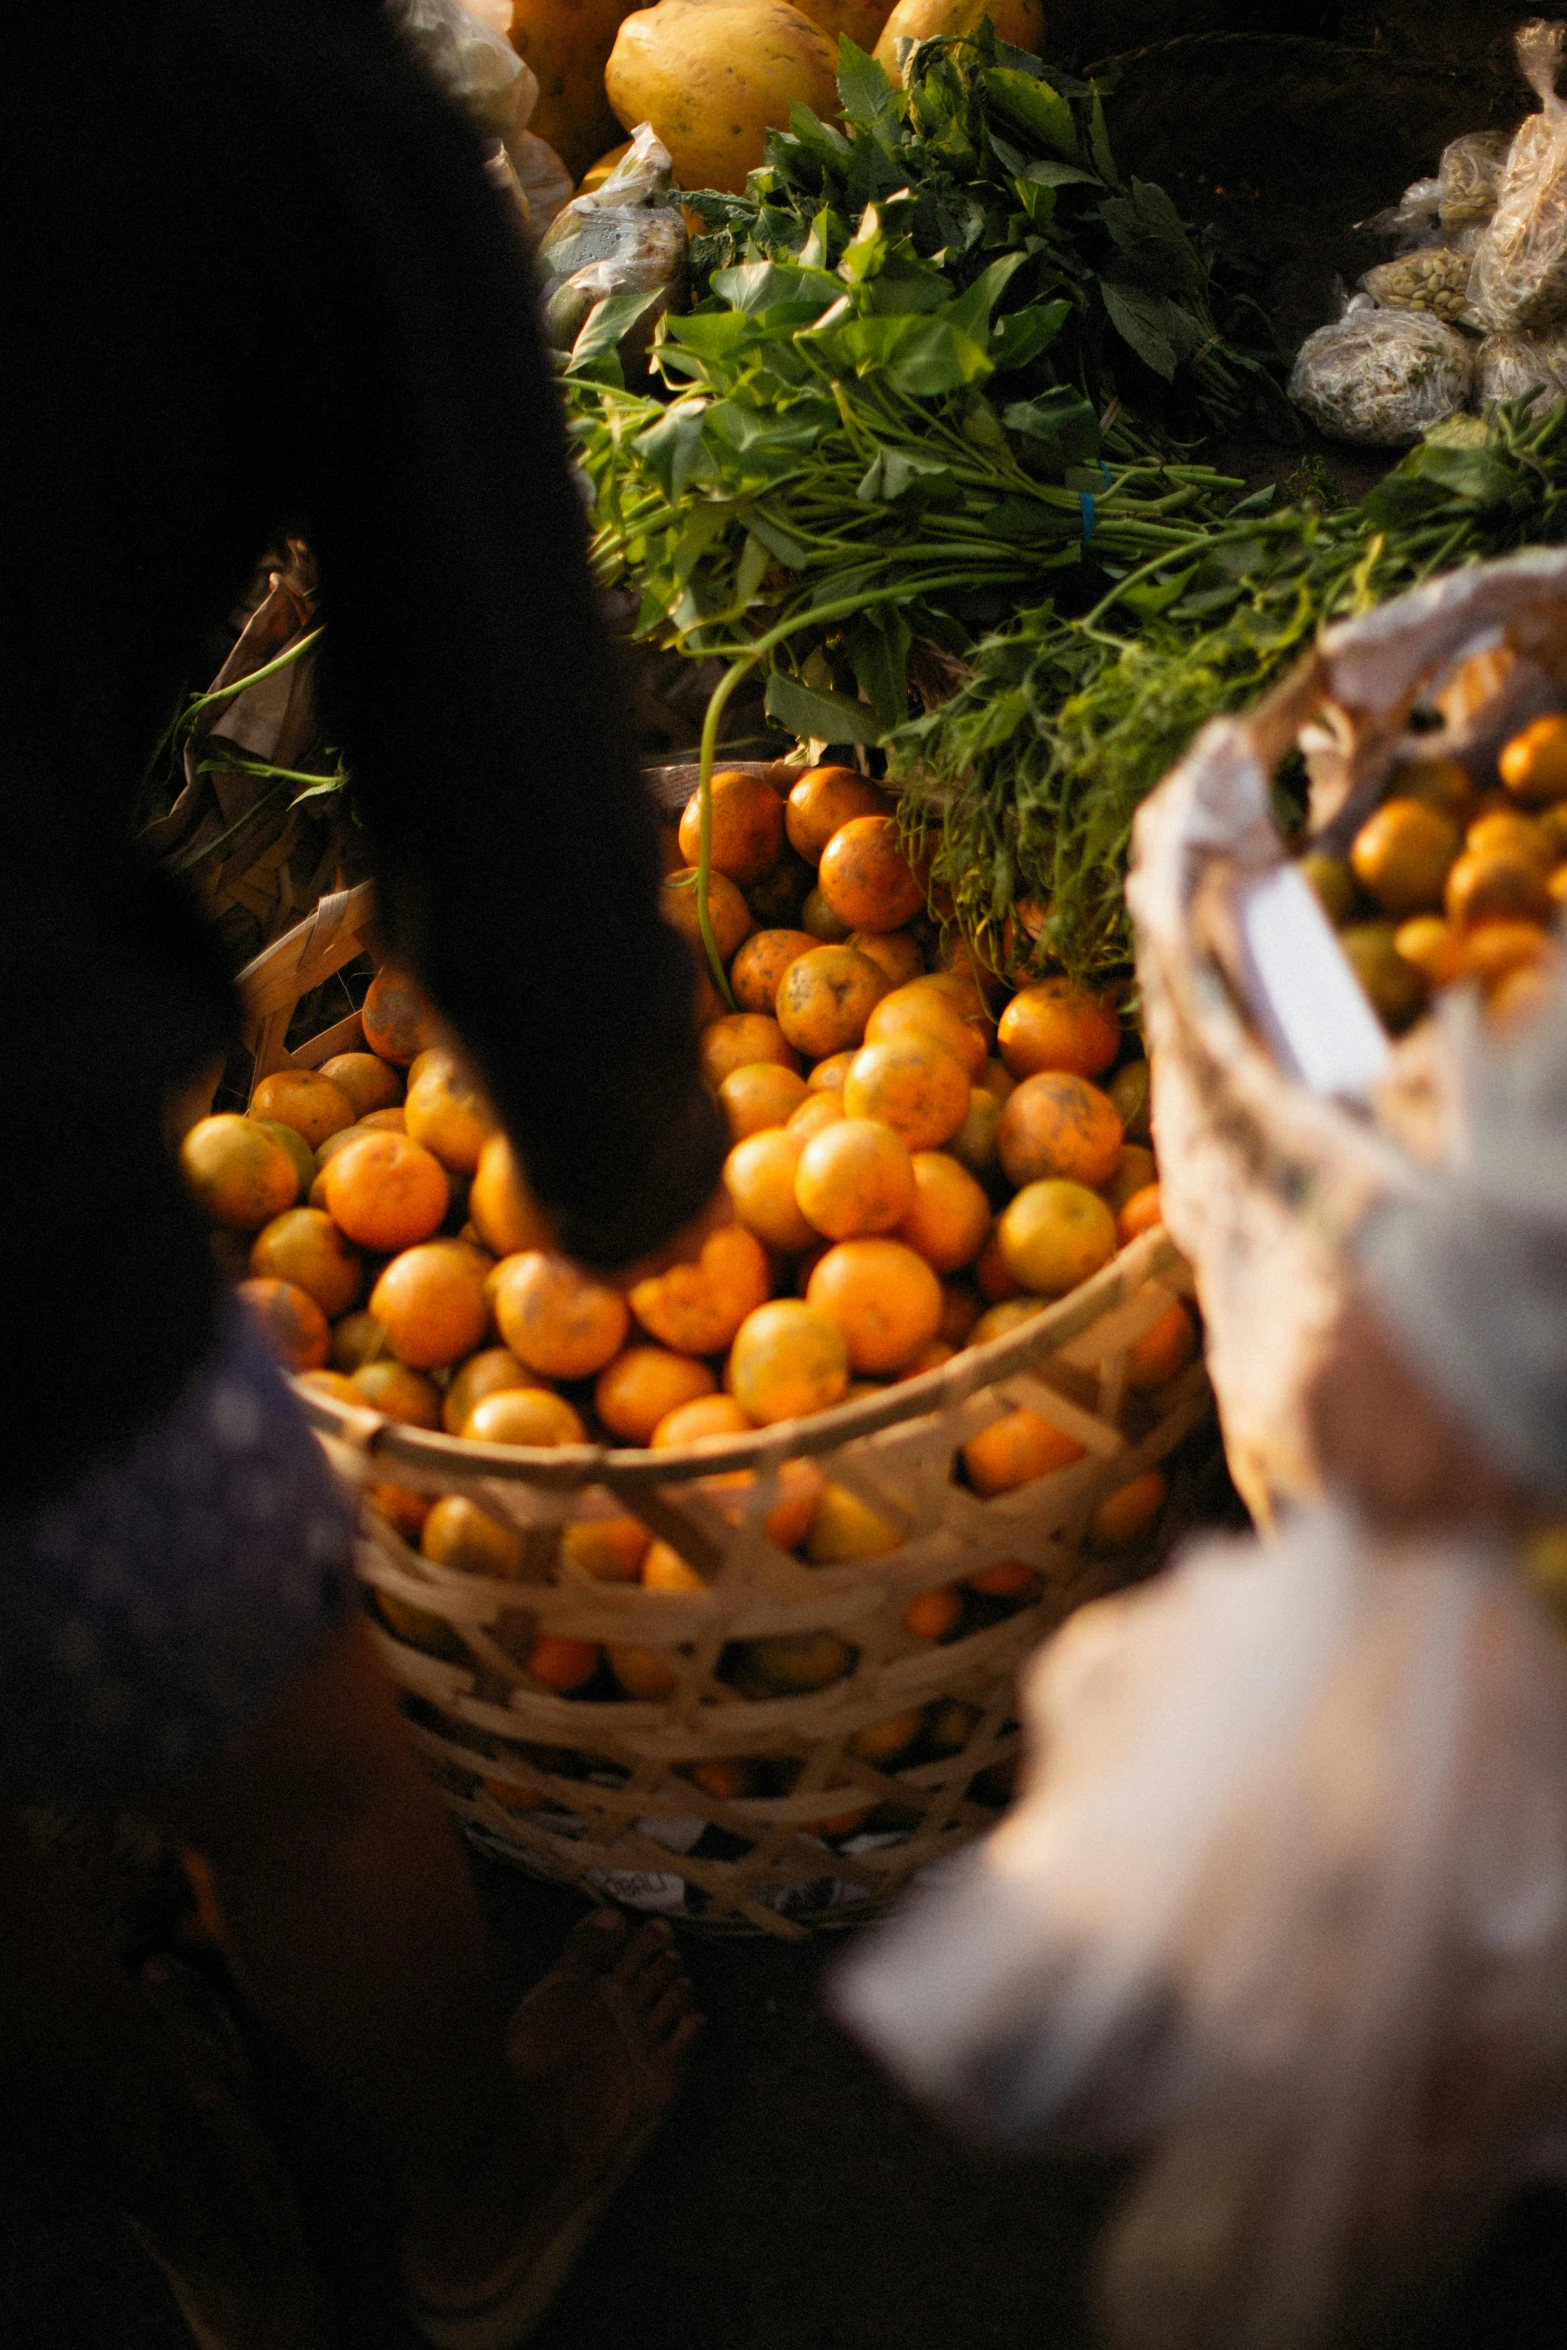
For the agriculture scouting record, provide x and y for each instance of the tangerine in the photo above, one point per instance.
(292, 1324)
(1129, 1512)
(960, 1310)
(925, 1008)
(398, 1022)
(739, 1040)
(693, 1423)
(696, 1309)
(561, 1663)
(240, 1175)
(727, 911)
(430, 1302)
(748, 826)
(1534, 764)
(844, 1527)
(369, 1082)
(1428, 943)
(401, 1394)
(892, 951)
(1492, 886)
(298, 1149)
(1016, 1449)
(934, 1614)
(1507, 833)
(822, 802)
(788, 1359)
(1059, 1125)
(1162, 1351)
(883, 1297)
(305, 1100)
(826, 997)
(855, 1178)
(1054, 1234)
(486, 1373)
(642, 1672)
(357, 1338)
(1140, 1214)
(757, 969)
(1403, 853)
(1056, 1026)
(816, 1111)
(386, 1192)
(663, 1569)
(1498, 949)
(974, 1144)
(760, 1175)
(865, 878)
(643, 1385)
(305, 1247)
(525, 1416)
(818, 918)
(912, 1083)
(458, 1534)
(759, 1096)
(505, 1213)
(1134, 1170)
(950, 1219)
(556, 1317)
(609, 1550)
(992, 1275)
(828, 1075)
(446, 1115)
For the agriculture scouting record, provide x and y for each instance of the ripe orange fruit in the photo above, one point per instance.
(642, 1672)
(923, 1006)
(357, 1338)
(1493, 953)
(305, 1247)
(378, 1122)
(1054, 1025)
(504, 1212)
(406, 1512)
(913, 1084)
(398, 1022)
(240, 1175)
(1054, 1235)
(795, 1496)
(696, 1308)
(446, 1114)
(557, 1318)
(430, 1302)
(298, 1149)
(737, 1040)
(818, 918)
(865, 878)
(824, 799)
(991, 1275)
(386, 1192)
(1520, 997)
(825, 998)
(999, 1321)
(1441, 783)
(883, 1742)
(1134, 1170)
(1534, 764)
(691, 1423)
(305, 1100)
(974, 1144)
(748, 826)
(892, 951)
(610, 1550)
(843, 1527)
(950, 1219)
(1162, 1351)
(724, 1777)
(930, 1358)
(663, 1569)
(1487, 886)
(855, 1178)
(933, 1614)
(816, 1111)
(369, 1082)
(883, 1297)
(1507, 832)
(788, 1359)
(761, 963)
(960, 1310)
(291, 1322)
(828, 1074)
(1332, 884)
(1015, 1450)
(1394, 988)
(458, 1534)
(643, 1385)
(560, 1663)
(997, 1079)
(1128, 1513)
(1007, 1579)
(726, 910)
(332, 1383)
(391, 1388)
(485, 1373)
(760, 1175)
(1056, 1124)
(525, 1416)
(1140, 1214)
(1427, 942)
(760, 1096)
(1402, 854)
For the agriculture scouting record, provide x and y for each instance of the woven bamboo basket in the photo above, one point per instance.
(1262, 1182)
(596, 1791)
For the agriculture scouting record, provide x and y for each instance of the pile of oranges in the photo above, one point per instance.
(908, 1176)
(1446, 882)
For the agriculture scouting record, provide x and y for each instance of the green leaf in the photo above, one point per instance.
(1060, 424)
(763, 288)
(673, 449)
(879, 654)
(1023, 334)
(1099, 138)
(869, 98)
(608, 322)
(1139, 319)
(893, 473)
(1035, 106)
(813, 714)
(1047, 172)
(818, 138)
(778, 542)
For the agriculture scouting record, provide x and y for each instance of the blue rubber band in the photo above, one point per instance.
(1089, 505)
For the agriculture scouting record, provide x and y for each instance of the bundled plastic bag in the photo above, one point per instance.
(1284, 1901)
(1430, 277)
(1520, 267)
(1469, 179)
(478, 70)
(1382, 376)
(628, 237)
(1508, 366)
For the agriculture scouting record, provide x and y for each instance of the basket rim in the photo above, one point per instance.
(573, 1466)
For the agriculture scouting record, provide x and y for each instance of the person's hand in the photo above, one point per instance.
(1400, 1451)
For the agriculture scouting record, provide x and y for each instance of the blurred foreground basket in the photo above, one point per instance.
(598, 1791)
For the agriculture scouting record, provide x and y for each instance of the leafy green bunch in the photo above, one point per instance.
(1025, 784)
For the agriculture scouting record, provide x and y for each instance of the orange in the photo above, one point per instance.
(1140, 1214)
(736, 1040)
(922, 1007)
(997, 1078)
(1015, 1450)
(950, 1219)
(930, 1358)
(1428, 943)
(380, 1121)
(1128, 1513)
(1493, 953)
(724, 1777)
(642, 1672)
(1507, 833)
(761, 963)
(760, 1175)
(505, 1213)
(458, 1534)
(291, 1322)
(1396, 990)
(1402, 855)
(643, 1386)
(826, 997)
(556, 1317)
(398, 1022)
(842, 1527)
(1487, 886)
(864, 877)
(1332, 884)
(1007, 1579)
(816, 1111)
(357, 1338)
(390, 1387)
(524, 1415)
(748, 826)
(1553, 823)
(560, 1663)
(663, 1569)
(795, 1497)
(305, 1247)
(913, 1084)
(1534, 764)
(610, 1550)
(827, 1075)
(482, 1374)
(1133, 1172)
(775, 901)
(690, 1423)
(1055, 1025)
(999, 1321)
(933, 1614)
(406, 1512)
(334, 1384)
(240, 1175)
(793, 1664)
(1054, 1235)
(726, 910)
(759, 1096)
(447, 1115)
(1558, 886)
(1162, 1351)
(883, 1742)
(855, 1178)
(697, 1308)
(1520, 996)
(298, 1149)
(892, 951)
(959, 988)
(1058, 1125)
(824, 799)
(386, 1192)
(788, 1359)
(818, 918)
(883, 1297)
(430, 1302)
(960, 1311)
(974, 1144)
(305, 1100)
(991, 1275)
(369, 1082)
(1440, 783)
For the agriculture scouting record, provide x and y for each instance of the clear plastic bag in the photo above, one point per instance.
(1382, 376)
(543, 178)
(477, 69)
(1520, 268)
(1430, 277)
(1469, 179)
(628, 237)
(1508, 366)
(1285, 1903)
(1412, 221)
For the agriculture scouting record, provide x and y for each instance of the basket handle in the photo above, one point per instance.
(271, 984)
